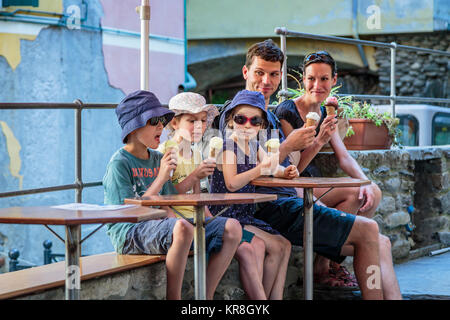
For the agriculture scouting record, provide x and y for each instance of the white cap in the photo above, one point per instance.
(191, 103)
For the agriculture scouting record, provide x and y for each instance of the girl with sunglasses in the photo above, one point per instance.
(241, 161)
(319, 76)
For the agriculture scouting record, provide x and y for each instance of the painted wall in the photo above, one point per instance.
(41, 62)
(256, 18)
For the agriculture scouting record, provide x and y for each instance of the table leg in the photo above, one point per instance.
(199, 253)
(73, 271)
(308, 244)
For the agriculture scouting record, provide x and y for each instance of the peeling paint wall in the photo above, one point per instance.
(48, 63)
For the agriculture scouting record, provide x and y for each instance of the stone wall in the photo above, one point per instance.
(412, 176)
(417, 74)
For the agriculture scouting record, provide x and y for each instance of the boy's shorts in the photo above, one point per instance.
(155, 236)
(331, 227)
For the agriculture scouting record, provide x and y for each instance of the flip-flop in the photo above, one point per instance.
(342, 273)
(329, 281)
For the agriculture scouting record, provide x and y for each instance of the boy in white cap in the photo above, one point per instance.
(192, 117)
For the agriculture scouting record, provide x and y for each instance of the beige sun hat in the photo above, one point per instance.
(191, 102)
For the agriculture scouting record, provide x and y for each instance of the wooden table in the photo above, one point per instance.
(199, 201)
(308, 184)
(72, 220)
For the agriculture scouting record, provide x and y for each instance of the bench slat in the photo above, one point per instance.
(32, 280)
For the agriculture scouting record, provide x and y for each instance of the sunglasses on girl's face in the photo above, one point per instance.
(155, 120)
(254, 121)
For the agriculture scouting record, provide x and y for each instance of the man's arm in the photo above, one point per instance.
(296, 139)
(325, 134)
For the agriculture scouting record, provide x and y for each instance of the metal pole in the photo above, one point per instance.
(144, 13)
(308, 243)
(78, 168)
(73, 271)
(199, 253)
(284, 93)
(393, 83)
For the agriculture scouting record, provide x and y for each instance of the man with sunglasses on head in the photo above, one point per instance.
(336, 233)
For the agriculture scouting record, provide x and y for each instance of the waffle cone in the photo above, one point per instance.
(212, 153)
(330, 110)
(310, 122)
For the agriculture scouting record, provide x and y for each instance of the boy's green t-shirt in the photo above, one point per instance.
(128, 177)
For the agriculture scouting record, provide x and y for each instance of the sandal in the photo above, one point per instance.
(343, 274)
(330, 281)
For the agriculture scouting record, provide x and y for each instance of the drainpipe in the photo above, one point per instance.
(189, 81)
(355, 33)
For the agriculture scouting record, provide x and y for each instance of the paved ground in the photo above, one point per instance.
(425, 278)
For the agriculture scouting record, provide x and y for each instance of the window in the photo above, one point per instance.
(441, 128)
(409, 126)
(9, 3)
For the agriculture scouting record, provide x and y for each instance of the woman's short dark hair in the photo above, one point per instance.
(266, 50)
(320, 57)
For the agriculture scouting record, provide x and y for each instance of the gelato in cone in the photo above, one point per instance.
(312, 118)
(170, 144)
(331, 104)
(215, 145)
(272, 145)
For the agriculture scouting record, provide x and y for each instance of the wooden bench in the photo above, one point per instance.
(33, 280)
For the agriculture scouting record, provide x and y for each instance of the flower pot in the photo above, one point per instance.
(367, 136)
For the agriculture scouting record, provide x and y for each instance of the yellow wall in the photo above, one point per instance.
(10, 42)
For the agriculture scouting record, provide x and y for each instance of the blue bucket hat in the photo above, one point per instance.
(137, 108)
(251, 98)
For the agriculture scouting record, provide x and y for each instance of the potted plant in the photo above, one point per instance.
(368, 128)
(361, 126)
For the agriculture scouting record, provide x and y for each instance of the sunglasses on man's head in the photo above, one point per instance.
(155, 120)
(254, 121)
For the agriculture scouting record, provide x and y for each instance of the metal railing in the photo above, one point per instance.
(284, 93)
(78, 185)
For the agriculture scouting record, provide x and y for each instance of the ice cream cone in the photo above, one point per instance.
(215, 145)
(173, 145)
(331, 104)
(312, 118)
(331, 110)
(310, 122)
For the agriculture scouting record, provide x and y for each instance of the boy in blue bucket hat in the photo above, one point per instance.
(137, 170)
